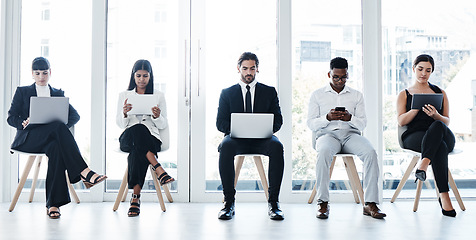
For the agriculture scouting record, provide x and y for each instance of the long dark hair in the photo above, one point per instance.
(142, 64)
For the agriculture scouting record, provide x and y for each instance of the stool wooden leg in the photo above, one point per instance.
(238, 165)
(405, 178)
(23, 178)
(71, 189)
(351, 185)
(355, 180)
(262, 175)
(35, 178)
(121, 194)
(455, 191)
(157, 189)
(417, 196)
(314, 189)
(167, 193)
(313, 194)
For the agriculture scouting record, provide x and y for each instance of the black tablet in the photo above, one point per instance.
(419, 100)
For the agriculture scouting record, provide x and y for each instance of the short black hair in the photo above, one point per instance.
(339, 62)
(248, 56)
(425, 58)
(40, 63)
(142, 64)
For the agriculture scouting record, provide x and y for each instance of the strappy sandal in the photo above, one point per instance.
(164, 178)
(87, 180)
(52, 214)
(134, 210)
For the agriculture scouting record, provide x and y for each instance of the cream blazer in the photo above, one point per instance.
(152, 124)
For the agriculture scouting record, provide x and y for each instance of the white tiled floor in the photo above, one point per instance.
(199, 221)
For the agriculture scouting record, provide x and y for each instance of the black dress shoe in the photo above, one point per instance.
(323, 210)
(274, 212)
(227, 212)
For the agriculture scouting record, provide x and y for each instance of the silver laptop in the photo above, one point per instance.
(251, 125)
(142, 104)
(48, 109)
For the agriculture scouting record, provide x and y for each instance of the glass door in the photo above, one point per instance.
(59, 31)
(156, 31)
(221, 32)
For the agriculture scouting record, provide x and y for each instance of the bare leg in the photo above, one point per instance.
(424, 164)
(446, 201)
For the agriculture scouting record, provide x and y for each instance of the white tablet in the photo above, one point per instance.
(142, 104)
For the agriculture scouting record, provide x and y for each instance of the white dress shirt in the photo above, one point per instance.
(252, 91)
(152, 124)
(324, 99)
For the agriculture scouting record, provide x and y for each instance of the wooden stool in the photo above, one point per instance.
(26, 172)
(411, 166)
(259, 166)
(351, 173)
(123, 190)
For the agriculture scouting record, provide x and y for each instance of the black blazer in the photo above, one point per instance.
(20, 111)
(231, 101)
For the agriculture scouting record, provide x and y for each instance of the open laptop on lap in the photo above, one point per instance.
(44, 110)
(251, 125)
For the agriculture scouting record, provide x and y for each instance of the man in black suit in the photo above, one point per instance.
(249, 96)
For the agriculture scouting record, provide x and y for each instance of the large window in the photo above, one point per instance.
(231, 28)
(321, 31)
(61, 31)
(144, 29)
(445, 30)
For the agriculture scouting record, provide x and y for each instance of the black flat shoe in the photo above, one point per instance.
(420, 175)
(450, 213)
(227, 212)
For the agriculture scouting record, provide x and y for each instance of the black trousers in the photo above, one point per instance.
(434, 144)
(57, 142)
(137, 141)
(271, 147)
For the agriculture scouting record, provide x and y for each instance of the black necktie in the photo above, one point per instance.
(248, 99)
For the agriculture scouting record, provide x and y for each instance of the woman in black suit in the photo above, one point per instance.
(54, 139)
(427, 130)
(141, 138)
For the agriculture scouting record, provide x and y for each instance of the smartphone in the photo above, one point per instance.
(340, 109)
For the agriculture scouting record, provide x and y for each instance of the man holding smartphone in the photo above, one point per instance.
(337, 118)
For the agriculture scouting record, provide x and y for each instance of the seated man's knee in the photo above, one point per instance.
(276, 145)
(227, 145)
(324, 153)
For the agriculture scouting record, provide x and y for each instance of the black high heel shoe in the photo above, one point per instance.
(420, 175)
(450, 213)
